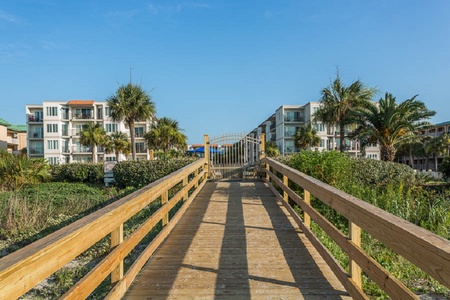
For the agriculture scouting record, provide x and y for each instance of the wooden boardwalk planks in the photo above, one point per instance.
(236, 242)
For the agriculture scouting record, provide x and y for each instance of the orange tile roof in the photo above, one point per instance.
(80, 102)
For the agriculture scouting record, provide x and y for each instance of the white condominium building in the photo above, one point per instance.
(287, 119)
(54, 127)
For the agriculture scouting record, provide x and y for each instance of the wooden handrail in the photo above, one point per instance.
(22, 270)
(431, 252)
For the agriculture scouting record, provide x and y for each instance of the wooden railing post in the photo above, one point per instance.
(206, 147)
(262, 153)
(306, 217)
(285, 182)
(164, 200)
(195, 178)
(116, 239)
(185, 182)
(355, 270)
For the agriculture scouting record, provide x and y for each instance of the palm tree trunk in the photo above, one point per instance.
(411, 158)
(94, 153)
(435, 163)
(387, 153)
(133, 145)
(341, 137)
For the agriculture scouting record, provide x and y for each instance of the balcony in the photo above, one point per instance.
(36, 151)
(139, 134)
(272, 126)
(65, 149)
(83, 117)
(36, 135)
(82, 149)
(12, 140)
(33, 118)
(294, 119)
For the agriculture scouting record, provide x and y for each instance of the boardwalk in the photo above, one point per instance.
(236, 242)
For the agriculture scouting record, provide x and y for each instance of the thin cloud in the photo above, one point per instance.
(10, 18)
(154, 9)
(48, 45)
(122, 13)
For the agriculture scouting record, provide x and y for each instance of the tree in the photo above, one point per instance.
(92, 135)
(388, 123)
(435, 146)
(118, 143)
(271, 149)
(131, 104)
(338, 100)
(306, 136)
(166, 135)
(16, 171)
(411, 146)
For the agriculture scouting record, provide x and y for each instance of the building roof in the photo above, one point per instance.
(81, 102)
(443, 123)
(4, 123)
(18, 128)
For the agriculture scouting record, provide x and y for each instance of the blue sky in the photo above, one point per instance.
(221, 66)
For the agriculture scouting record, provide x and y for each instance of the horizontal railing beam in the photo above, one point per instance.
(431, 252)
(35, 262)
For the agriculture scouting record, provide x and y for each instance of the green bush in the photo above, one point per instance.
(330, 167)
(140, 173)
(381, 173)
(78, 172)
(445, 167)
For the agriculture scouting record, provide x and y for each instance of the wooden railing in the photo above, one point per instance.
(422, 248)
(25, 268)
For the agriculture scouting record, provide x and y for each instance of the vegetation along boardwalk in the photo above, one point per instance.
(236, 242)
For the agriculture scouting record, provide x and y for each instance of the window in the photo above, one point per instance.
(315, 109)
(52, 144)
(107, 111)
(53, 160)
(322, 143)
(99, 112)
(52, 111)
(64, 129)
(52, 127)
(110, 158)
(65, 146)
(139, 132)
(372, 156)
(140, 147)
(289, 131)
(319, 127)
(289, 146)
(111, 128)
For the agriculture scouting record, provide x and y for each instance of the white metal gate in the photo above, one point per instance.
(234, 156)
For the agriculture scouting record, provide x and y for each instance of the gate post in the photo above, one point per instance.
(206, 153)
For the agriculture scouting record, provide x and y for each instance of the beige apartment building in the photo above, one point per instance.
(54, 129)
(12, 137)
(281, 127)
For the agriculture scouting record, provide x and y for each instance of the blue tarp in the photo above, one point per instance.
(202, 150)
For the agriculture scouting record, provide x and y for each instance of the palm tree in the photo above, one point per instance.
(131, 104)
(435, 146)
(118, 143)
(389, 123)
(92, 135)
(338, 100)
(306, 136)
(411, 146)
(271, 149)
(166, 135)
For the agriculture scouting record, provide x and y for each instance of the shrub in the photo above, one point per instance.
(78, 172)
(140, 173)
(381, 173)
(445, 167)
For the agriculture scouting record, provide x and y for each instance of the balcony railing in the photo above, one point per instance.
(83, 116)
(65, 132)
(33, 118)
(139, 134)
(65, 116)
(36, 151)
(294, 119)
(140, 150)
(272, 126)
(12, 140)
(82, 150)
(65, 149)
(36, 135)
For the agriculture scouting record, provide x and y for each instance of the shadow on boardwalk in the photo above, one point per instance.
(236, 242)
